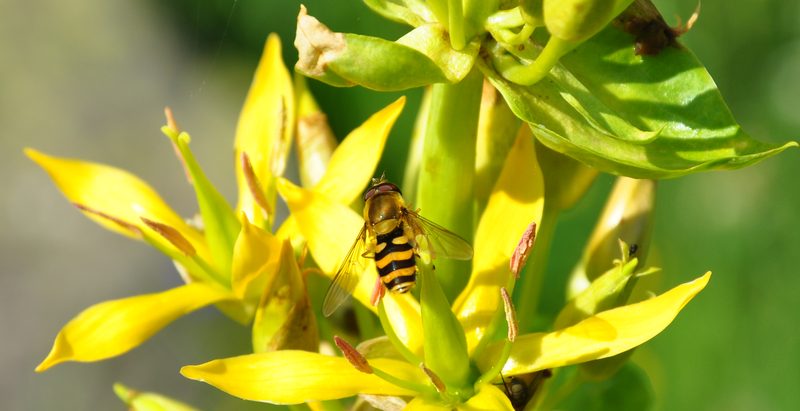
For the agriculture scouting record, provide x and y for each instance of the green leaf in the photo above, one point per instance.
(411, 12)
(219, 221)
(343, 59)
(629, 389)
(656, 116)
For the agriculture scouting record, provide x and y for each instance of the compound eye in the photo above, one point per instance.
(369, 193)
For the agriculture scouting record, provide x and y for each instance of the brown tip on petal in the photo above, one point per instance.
(435, 380)
(378, 291)
(511, 315)
(254, 185)
(316, 44)
(171, 123)
(352, 355)
(523, 250)
(173, 236)
(124, 224)
(280, 149)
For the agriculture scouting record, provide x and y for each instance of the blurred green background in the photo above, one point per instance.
(89, 79)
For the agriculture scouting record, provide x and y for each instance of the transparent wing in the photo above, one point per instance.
(435, 239)
(346, 278)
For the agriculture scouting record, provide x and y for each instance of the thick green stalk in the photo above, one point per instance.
(530, 282)
(445, 185)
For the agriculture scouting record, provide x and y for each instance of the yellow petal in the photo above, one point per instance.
(353, 163)
(148, 401)
(330, 229)
(603, 335)
(284, 318)
(114, 327)
(256, 257)
(516, 200)
(116, 193)
(489, 398)
(294, 377)
(405, 317)
(265, 127)
(425, 404)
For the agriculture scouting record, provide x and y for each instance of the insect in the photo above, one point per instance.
(521, 389)
(394, 236)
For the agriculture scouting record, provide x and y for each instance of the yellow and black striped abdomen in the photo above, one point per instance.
(394, 258)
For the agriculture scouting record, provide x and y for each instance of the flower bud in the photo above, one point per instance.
(627, 216)
(577, 20)
(344, 59)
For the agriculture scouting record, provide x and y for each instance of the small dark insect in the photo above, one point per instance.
(521, 389)
(632, 249)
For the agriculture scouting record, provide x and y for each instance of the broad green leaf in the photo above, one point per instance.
(294, 377)
(344, 60)
(115, 327)
(608, 89)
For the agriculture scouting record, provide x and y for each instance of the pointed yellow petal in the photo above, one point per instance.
(425, 404)
(314, 139)
(148, 401)
(603, 335)
(404, 315)
(114, 327)
(284, 318)
(489, 398)
(330, 229)
(294, 377)
(256, 257)
(516, 200)
(116, 193)
(265, 127)
(353, 163)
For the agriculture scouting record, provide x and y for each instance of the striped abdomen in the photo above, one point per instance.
(394, 258)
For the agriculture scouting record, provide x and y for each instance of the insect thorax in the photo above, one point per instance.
(383, 212)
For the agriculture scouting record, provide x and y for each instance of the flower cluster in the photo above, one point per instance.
(520, 91)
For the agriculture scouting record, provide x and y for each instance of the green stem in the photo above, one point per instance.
(527, 294)
(497, 367)
(409, 385)
(455, 16)
(447, 168)
(445, 344)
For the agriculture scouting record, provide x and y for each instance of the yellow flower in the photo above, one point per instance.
(436, 356)
(233, 260)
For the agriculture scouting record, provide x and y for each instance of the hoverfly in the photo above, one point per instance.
(394, 236)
